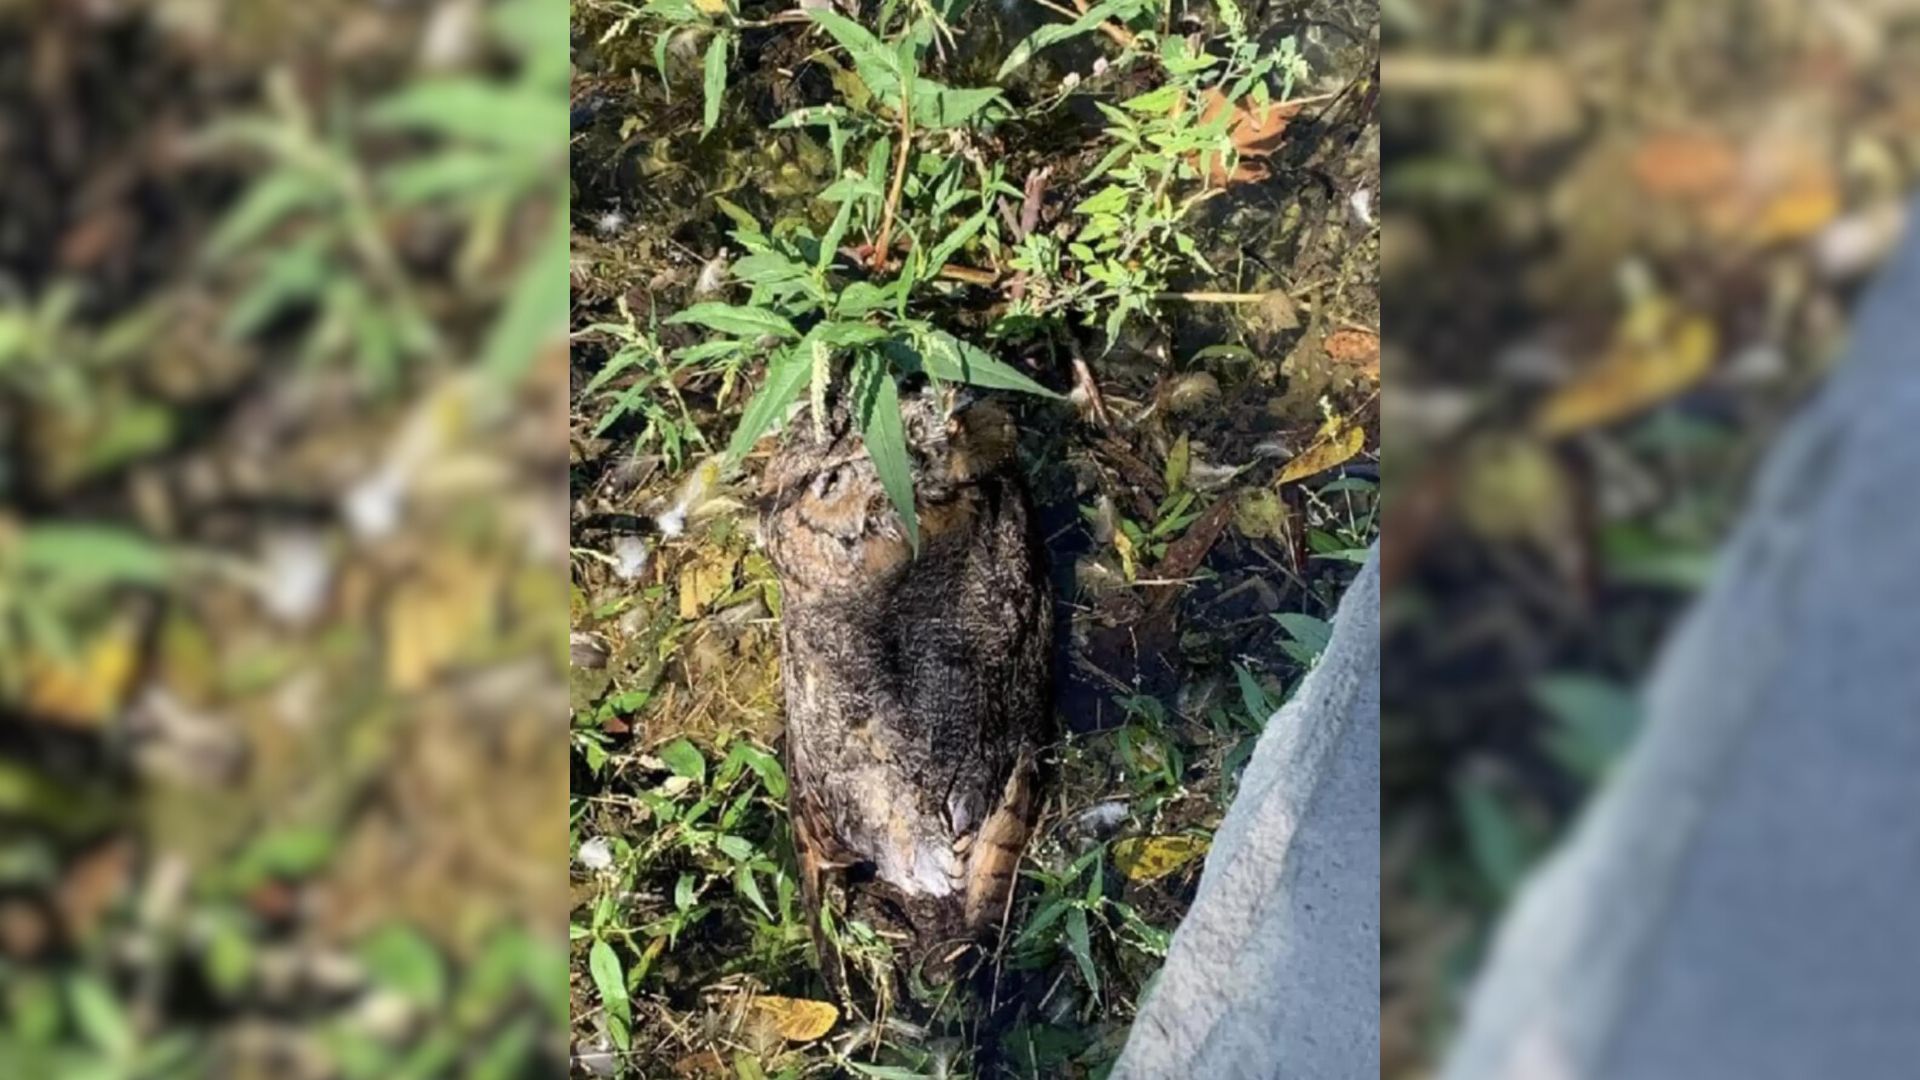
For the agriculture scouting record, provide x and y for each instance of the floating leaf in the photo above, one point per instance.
(1150, 858)
(797, 1019)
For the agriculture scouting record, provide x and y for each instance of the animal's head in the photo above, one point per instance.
(827, 521)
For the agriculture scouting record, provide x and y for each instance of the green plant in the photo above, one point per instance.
(314, 232)
(708, 850)
(1075, 914)
(1169, 147)
(653, 396)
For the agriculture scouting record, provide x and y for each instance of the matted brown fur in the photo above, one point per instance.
(916, 684)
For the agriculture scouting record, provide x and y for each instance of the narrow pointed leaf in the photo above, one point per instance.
(886, 438)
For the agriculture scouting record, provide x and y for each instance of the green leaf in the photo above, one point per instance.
(1253, 697)
(94, 554)
(686, 760)
(99, 1015)
(1053, 34)
(862, 298)
(766, 268)
(877, 64)
(786, 375)
(611, 980)
(536, 310)
(1042, 920)
(936, 107)
(1311, 634)
(1595, 721)
(403, 960)
(1154, 101)
(733, 319)
(1108, 200)
(884, 434)
(290, 276)
(949, 247)
(1494, 837)
(749, 890)
(1080, 944)
(266, 204)
(715, 83)
(477, 110)
(453, 172)
(765, 765)
(947, 357)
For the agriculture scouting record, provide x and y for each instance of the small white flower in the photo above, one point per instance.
(1099, 67)
(1072, 80)
(609, 222)
(597, 854)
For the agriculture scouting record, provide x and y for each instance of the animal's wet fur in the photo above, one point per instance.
(917, 686)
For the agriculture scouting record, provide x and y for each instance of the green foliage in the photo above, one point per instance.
(312, 236)
(1134, 236)
(711, 853)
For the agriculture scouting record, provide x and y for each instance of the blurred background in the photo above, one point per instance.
(1622, 241)
(282, 538)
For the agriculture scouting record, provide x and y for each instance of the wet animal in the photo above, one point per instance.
(916, 683)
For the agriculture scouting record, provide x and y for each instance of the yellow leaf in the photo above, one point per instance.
(797, 1019)
(703, 581)
(1798, 211)
(1337, 441)
(711, 7)
(1150, 858)
(1656, 355)
(1124, 544)
(431, 621)
(86, 688)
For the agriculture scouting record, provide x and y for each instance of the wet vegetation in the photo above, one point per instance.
(1149, 231)
(1624, 240)
(280, 286)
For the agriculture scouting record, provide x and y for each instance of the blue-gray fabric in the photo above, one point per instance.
(1743, 900)
(1275, 972)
